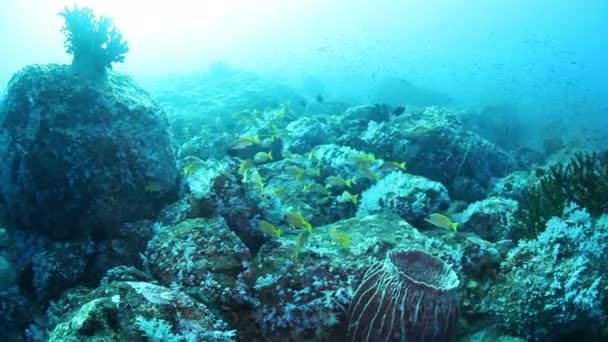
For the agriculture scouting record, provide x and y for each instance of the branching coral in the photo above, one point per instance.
(583, 180)
(94, 43)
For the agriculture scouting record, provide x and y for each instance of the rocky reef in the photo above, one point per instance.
(231, 216)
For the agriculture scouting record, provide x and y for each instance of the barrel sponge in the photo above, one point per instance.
(410, 296)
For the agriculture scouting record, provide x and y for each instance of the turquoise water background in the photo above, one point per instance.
(545, 58)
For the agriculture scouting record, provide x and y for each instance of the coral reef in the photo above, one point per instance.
(436, 145)
(552, 287)
(309, 296)
(201, 255)
(583, 180)
(306, 133)
(252, 213)
(134, 311)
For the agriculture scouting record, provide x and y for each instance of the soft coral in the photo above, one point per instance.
(94, 43)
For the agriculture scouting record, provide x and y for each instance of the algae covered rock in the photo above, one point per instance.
(134, 311)
(554, 287)
(361, 115)
(305, 133)
(494, 219)
(442, 149)
(437, 145)
(79, 156)
(202, 255)
(411, 197)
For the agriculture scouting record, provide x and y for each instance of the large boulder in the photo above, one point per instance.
(553, 287)
(436, 145)
(409, 196)
(131, 311)
(78, 157)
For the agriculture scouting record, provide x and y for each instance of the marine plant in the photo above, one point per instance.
(95, 43)
(583, 180)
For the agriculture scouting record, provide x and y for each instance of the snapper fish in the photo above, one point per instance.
(244, 142)
(269, 228)
(296, 220)
(442, 221)
(262, 157)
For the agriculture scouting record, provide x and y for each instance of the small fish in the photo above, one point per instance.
(268, 141)
(241, 113)
(282, 111)
(393, 166)
(311, 155)
(347, 197)
(398, 110)
(363, 159)
(257, 178)
(442, 221)
(366, 172)
(316, 172)
(192, 158)
(337, 181)
(472, 284)
(323, 48)
(421, 129)
(278, 131)
(192, 167)
(341, 238)
(298, 221)
(244, 169)
(262, 157)
(280, 192)
(296, 172)
(244, 142)
(316, 188)
(153, 185)
(245, 121)
(319, 98)
(269, 228)
(302, 237)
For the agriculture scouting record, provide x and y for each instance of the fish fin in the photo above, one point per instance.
(455, 227)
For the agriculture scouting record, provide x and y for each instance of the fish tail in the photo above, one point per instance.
(455, 227)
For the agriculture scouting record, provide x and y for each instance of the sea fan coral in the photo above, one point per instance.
(387, 304)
